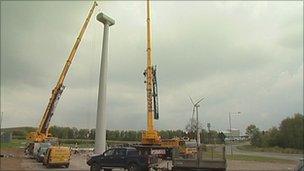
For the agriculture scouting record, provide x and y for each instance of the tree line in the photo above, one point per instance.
(114, 135)
(289, 134)
(207, 137)
(132, 135)
(119, 135)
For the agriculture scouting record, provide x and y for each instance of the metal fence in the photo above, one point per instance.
(206, 157)
(204, 152)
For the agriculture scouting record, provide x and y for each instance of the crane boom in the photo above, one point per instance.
(149, 72)
(42, 132)
(150, 136)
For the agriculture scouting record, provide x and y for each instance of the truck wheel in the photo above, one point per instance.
(133, 167)
(95, 167)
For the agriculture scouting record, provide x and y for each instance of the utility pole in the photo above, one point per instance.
(100, 138)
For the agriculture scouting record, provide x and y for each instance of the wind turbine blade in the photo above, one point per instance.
(191, 100)
(199, 101)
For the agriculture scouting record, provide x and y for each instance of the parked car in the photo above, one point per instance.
(122, 157)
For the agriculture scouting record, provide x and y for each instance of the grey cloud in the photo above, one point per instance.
(243, 56)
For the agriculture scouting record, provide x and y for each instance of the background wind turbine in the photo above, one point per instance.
(195, 108)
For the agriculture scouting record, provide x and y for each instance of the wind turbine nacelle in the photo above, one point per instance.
(105, 19)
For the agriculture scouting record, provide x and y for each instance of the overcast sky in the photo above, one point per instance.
(241, 56)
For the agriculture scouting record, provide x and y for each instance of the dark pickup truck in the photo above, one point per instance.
(123, 157)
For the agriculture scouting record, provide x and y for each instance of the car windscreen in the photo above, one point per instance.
(120, 152)
(109, 152)
(133, 153)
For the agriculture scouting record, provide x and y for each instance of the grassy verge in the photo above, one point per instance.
(79, 146)
(257, 158)
(15, 143)
(81, 143)
(270, 149)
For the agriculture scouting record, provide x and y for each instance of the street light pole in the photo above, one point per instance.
(230, 134)
(230, 129)
(230, 122)
(209, 136)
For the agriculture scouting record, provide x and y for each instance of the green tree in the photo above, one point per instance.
(272, 137)
(191, 128)
(291, 132)
(92, 134)
(83, 134)
(255, 135)
(250, 130)
(288, 135)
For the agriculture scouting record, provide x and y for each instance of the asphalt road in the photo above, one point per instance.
(78, 162)
(235, 150)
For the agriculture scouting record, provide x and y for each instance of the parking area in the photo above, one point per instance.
(17, 161)
(78, 162)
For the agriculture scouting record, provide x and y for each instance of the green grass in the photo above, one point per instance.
(15, 143)
(88, 145)
(74, 141)
(257, 158)
(84, 143)
(210, 155)
(81, 143)
(270, 149)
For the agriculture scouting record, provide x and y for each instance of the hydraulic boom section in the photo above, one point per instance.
(42, 132)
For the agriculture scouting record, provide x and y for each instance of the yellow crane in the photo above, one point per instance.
(151, 141)
(42, 133)
(150, 136)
